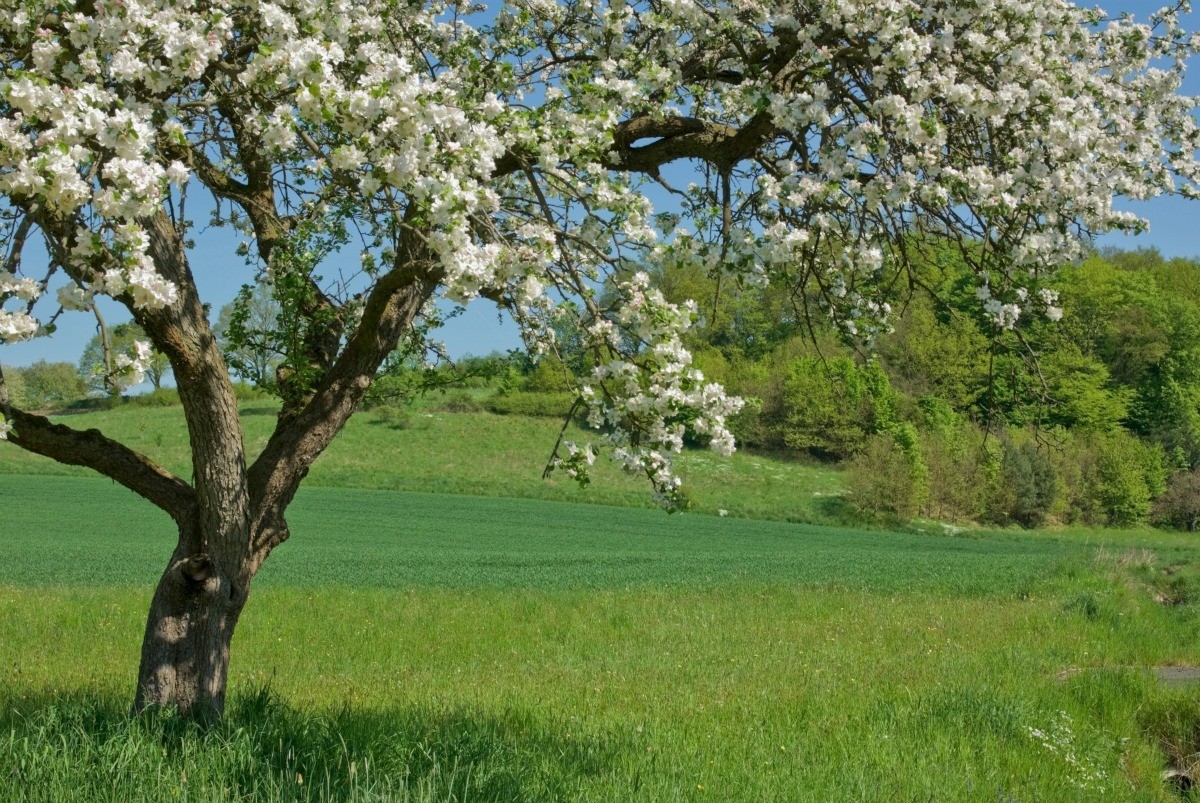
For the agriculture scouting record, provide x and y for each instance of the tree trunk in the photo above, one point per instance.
(229, 517)
(185, 651)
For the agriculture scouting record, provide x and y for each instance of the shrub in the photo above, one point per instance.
(759, 422)
(1126, 475)
(161, 397)
(14, 383)
(832, 406)
(956, 473)
(390, 390)
(394, 416)
(549, 375)
(1179, 507)
(459, 401)
(244, 391)
(548, 405)
(47, 385)
(1025, 488)
(908, 442)
(880, 481)
(93, 403)
(1109, 478)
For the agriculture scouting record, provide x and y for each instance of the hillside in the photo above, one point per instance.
(473, 453)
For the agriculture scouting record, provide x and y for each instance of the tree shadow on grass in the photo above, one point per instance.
(87, 747)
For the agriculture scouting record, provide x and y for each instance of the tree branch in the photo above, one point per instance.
(91, 449)
(299, 439)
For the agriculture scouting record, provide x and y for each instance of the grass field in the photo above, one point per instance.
(360, 538)
(418, 646)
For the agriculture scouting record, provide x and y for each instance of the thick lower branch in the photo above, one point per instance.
(93, 450)
(685, 138)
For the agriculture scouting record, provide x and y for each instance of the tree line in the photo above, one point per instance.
(1093, 418)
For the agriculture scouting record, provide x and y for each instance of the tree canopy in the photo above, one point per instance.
(525, 154)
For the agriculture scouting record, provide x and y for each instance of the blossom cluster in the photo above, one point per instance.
(1012, 124)
(647, 395)
(17, 325)
(130, 369)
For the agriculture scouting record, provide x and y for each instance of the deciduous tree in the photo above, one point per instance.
(248, 334)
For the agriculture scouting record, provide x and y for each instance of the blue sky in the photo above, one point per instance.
(1174, 230)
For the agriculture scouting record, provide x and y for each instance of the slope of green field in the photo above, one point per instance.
(478, 454)
(365, 538)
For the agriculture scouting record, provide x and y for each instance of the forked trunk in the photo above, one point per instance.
(185, 652)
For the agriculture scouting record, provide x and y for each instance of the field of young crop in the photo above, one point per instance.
(413, 646)
(360, 538)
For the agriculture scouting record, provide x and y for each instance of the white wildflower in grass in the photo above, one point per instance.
(1060, 738)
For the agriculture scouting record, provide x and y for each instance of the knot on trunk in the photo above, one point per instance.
(197, 568)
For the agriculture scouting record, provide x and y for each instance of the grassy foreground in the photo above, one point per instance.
(411, 646)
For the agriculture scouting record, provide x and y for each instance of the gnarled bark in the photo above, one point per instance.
(185, 650)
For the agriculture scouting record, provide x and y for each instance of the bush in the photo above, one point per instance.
(162, 397)
(833, 406)
(879, 480)
(758, 423)
(546, 405)
(549, 375)
(1179, 507)
(460, 401)
(394, 416)
(94, 403)
(1126, 475)
(46, 385)
(1025, 488)
(391, 390)
(956, 473)
(1109, 479)
(14, 383)
(244, 391)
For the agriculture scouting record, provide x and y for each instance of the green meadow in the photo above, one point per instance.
(478, 454)
(445, 625)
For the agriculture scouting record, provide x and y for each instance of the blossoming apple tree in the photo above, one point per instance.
(510, 154)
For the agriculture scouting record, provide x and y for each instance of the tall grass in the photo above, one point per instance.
(417, 646)
(738, 693)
